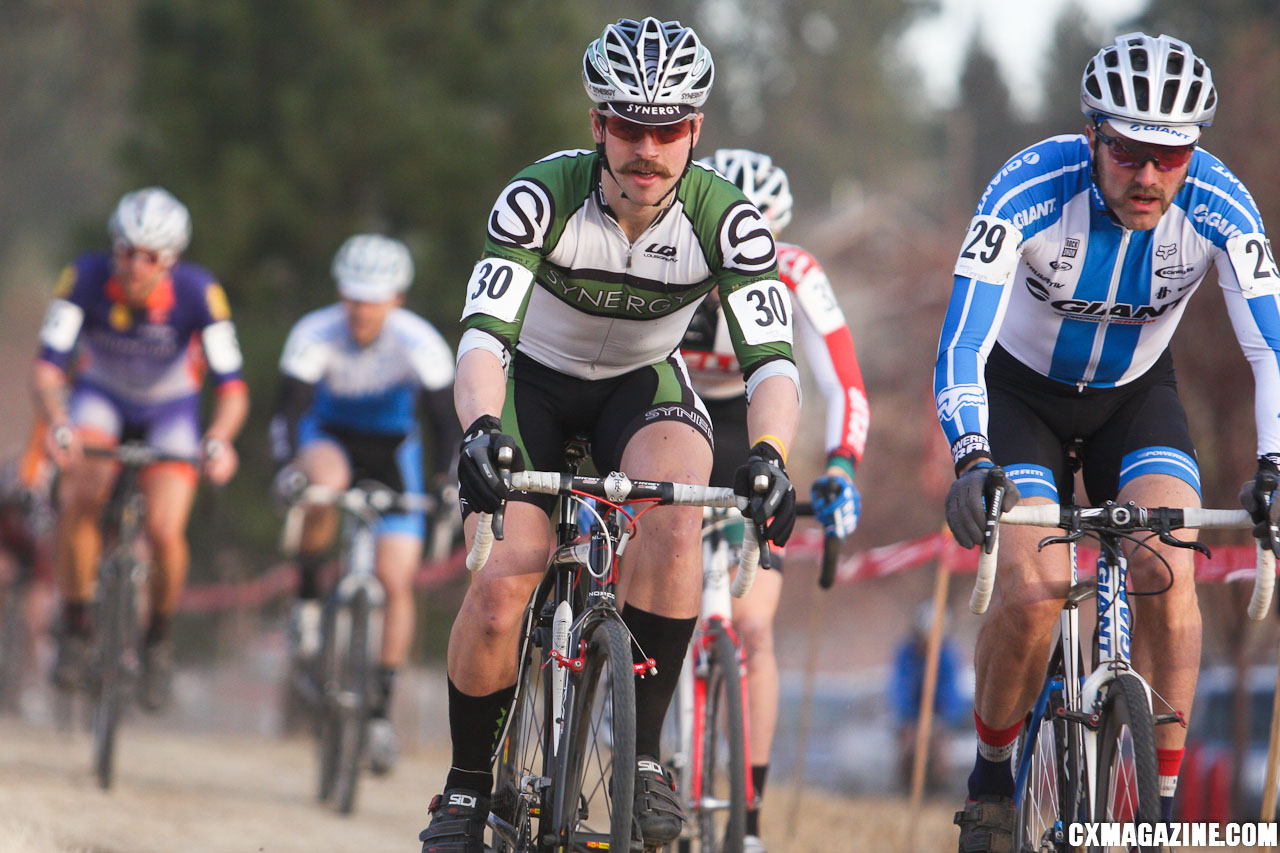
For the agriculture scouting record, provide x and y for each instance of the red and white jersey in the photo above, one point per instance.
(820, 325)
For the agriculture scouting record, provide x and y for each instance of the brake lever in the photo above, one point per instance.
(1169, 539)
(505, 457)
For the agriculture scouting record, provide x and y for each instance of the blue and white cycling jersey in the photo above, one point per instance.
(370, 389)
(1046, 271)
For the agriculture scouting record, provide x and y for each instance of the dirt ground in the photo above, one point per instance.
(238, 793)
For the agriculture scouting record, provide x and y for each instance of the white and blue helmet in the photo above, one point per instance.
(1150, 89)
(372, 268)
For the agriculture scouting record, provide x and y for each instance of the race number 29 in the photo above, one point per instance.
(1254, 264)
(990, 250)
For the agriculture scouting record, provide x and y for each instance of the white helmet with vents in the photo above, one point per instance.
(1150, 89)
(372, 268)
(151, 218)
(648, 71)
(764, 184)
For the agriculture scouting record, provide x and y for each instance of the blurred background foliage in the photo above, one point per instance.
(286, 126)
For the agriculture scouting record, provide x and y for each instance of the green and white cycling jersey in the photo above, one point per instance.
(561, 282)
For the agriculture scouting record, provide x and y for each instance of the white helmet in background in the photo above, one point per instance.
(372, 268)
(648, 71)
(764, 184)
(1151, 89)
(151, 218)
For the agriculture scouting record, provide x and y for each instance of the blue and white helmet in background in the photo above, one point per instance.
(151, 218)
(372, 268)
(1153, 90)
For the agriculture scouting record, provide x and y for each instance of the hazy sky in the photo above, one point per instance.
(1014, 31)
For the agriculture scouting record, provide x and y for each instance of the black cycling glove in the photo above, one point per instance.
(778, 501)
(969, 497)
(480, 486)
(1259, 497)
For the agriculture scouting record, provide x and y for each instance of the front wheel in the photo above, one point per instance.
(719, 792)
(1128, 780)
(115, 611)
(596, 766)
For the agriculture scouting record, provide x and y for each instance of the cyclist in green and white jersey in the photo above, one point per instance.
(594, 264)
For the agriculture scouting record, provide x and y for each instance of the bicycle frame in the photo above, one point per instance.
(1084, 696)
(716, 609)
(351, 627)
(566, 608)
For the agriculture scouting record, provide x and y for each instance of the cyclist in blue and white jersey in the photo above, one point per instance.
(594, 264)
(1078, 265)
(353, 378)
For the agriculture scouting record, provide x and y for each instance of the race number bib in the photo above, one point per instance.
(990, 250)
(221, 347)
(61, 325)
(497, 288)
(1254, 265)
(763, 310)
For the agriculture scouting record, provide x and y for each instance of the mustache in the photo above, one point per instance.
(641, 165)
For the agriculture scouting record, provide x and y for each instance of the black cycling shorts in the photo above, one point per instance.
(1120, 433)
(545, 408)
(729, 418)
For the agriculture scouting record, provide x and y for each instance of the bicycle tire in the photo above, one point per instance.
(720, 807)
(520, 800)
(115, 607)
(352, 703)
(1128, 780)
(13, 647)
(594, 784)
(326, 681)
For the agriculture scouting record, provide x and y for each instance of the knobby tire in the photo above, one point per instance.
(721, 812)
(115, 610)
(595, 769)
(352, 706)
(1128, 780)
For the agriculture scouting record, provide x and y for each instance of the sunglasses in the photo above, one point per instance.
(129, 253)
(1129, 154)
(630, 131)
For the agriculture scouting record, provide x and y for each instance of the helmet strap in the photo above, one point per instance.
(603, 161)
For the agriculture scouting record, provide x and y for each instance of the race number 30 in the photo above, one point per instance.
(497, 288)
(990, 250)
(763, 310)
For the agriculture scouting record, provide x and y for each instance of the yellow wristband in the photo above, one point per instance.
(782, 447)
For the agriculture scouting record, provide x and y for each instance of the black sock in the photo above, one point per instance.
(385, 683)
(474, 724)
(309, 576)
(665, 640)
(759, 772)
(157, 628)
(75, 618)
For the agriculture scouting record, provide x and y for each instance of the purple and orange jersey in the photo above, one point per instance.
(141, 356)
